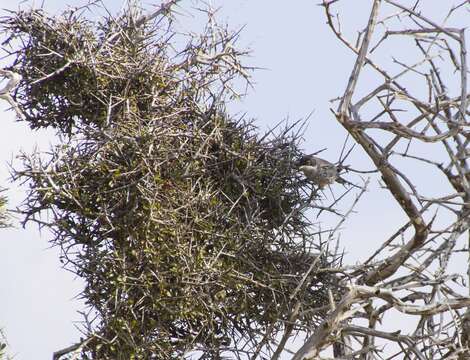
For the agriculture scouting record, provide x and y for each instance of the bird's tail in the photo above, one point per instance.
(343, 181)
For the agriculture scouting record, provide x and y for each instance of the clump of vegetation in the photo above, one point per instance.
(187, 226)
(4, 218)
(3, 346)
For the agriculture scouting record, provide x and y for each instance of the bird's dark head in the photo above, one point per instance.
(306, 160)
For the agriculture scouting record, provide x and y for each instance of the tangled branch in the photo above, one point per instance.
(416, 271)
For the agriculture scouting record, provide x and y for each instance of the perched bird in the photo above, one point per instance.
(318, 171)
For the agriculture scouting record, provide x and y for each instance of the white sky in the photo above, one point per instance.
(306, 67)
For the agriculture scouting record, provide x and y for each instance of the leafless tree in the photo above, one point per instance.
(408, 272)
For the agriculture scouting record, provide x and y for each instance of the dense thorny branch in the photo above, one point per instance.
(191, 230)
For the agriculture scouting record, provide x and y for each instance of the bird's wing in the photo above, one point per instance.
(323, 163)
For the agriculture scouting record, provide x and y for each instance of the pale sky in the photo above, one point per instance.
(305, 68)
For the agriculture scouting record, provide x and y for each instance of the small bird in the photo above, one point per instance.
(318, 171)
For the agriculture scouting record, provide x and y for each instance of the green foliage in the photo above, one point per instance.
(72, 74)
(4, 218)
(3, 347)
(187, 226)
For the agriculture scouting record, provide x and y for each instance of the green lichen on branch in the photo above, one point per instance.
(187, 226)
